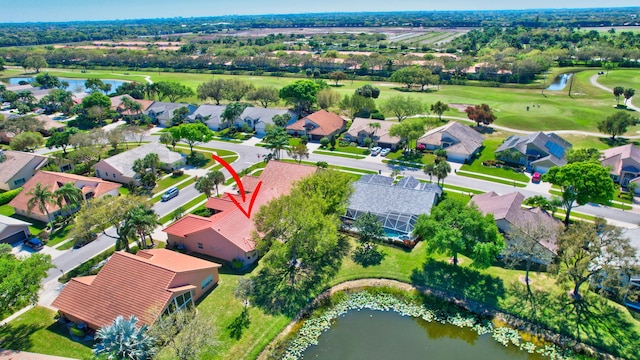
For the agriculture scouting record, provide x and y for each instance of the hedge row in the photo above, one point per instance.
(7, 196)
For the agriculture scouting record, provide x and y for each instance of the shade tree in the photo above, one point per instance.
(173, 90)
(264, 95)
(454, 228)
(301, 94)
(628, 94)
(192, 134)
(403, 107)
(617, 92)
(581, 183)
(481, 114)
(20, 277)
(439, 108)
(327, 98)
(409, 130)
(616, 124)
(355, 105)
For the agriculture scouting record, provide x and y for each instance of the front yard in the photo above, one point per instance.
(487, 152)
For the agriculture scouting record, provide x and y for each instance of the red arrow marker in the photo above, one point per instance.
(233, 173)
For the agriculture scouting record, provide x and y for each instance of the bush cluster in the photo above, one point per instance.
(7, 196)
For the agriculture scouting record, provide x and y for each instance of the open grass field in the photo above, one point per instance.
(581, 111)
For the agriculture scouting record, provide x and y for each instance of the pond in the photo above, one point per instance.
(560, 82)
(75, 85)
(372, 334)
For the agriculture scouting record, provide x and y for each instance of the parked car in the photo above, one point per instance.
(170, 194)
(536, 178)
(375, 150)
(34, 243)
(84, 240)
(385, 152)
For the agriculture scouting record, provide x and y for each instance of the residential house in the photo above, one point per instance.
(13, 230)
(227, 234)
(91, 187)
(397, 206)
(18, 167)
(537, 152)
(147, 284)
(161, 113)
(118, 105)
(119, 168)
(211, 115)
(624, 164)
(508, 212)
(318, 125)
(460, 141)
(259, 117)
(361, 129)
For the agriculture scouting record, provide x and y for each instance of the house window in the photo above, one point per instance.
(98, 173)
(179, 302)
(206, 282)
(114, 176)
(19, 182)
(107, 174)
(200, 246)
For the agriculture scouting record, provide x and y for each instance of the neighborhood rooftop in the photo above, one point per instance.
(123, 162)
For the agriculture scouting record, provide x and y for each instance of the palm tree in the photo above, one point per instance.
(68, 197)
(276, 139)
(41, 196)
(374, 126)
(205, 185)
(441, 170)
(152, 160)
(428, 169)
(140, 221)
(123, 339)
(218, 178)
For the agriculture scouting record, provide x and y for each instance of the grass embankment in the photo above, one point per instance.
(586, 106)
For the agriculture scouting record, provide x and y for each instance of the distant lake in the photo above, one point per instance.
(75, 85)
(560, 82)
(373, 335)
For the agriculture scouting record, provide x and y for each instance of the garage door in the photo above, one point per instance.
(12, 239)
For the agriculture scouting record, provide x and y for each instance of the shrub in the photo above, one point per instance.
(237, 264)
(304, 139)
(76, 332)
(5, 197)
(177, 173)
(203, 212)
(377, 115)
(324, 141)
(367, 142)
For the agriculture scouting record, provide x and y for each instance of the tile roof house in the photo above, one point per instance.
(18, 167)
(507, 211)
(460, 141)
(145, 285)
(227, 234)
(318, 125)
(360, 130)
(162, 112)
(117, 104)
(90, 186)
(624, 164)
(211, 115)
(397, 206)
(259, 117)
(538, 152)
(13, 230)
(119, 168)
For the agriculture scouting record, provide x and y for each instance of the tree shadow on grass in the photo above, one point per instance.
(237, 326)
(368, 255)
(590, 319)
(465, 283)
(17, 337)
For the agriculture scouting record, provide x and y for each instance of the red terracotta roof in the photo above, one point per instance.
(128, 284)
(277, 180)
(55, 180)
(323, 122)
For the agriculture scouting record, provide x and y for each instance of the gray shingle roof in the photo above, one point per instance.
(467, 140)
(123, 162)
(262, 114)
(382, 134)
(554, 147)
(15, 161)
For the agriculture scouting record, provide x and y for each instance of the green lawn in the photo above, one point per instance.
(36, 226)
(487, 178)
(627, 78)
(581, 111)
(186, 207)
(488, 153)
(169, 181)
(37, 331)
(398, 155)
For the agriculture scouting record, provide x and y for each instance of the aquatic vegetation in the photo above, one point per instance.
(312, 328)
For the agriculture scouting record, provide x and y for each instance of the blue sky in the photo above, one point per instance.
(68, 10)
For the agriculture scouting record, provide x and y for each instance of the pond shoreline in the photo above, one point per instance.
(471, 306)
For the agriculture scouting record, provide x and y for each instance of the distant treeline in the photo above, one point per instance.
(23, 34)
